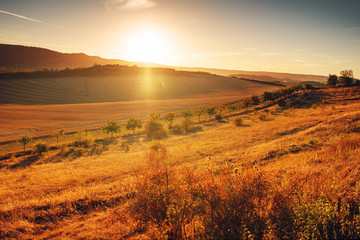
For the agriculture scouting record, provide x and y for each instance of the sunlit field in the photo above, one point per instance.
(42, 105)
(259, 172)
(164, 119)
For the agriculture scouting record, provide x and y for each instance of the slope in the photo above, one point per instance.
(299, 168)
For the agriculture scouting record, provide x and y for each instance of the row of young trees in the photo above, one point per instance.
(154, 127)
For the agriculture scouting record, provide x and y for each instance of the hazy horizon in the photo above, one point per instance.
(319, 38)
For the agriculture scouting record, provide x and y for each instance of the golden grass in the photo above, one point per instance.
(87, 197)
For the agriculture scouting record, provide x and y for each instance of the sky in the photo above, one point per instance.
(309, 36)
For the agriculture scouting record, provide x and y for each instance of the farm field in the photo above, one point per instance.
(300, 165)
(40, 106)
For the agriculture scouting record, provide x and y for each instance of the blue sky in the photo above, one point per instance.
(317, 37)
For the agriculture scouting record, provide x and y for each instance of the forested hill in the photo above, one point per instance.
(22, 58)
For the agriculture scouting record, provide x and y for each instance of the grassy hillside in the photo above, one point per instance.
(281, 172)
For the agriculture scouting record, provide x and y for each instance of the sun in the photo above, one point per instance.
(148, 46)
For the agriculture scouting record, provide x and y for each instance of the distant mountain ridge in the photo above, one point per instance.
(22, 58)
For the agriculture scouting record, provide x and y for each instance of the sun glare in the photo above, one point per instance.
(148, 46)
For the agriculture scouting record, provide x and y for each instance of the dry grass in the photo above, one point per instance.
(313, 151)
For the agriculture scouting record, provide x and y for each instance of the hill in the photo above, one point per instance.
(20, 58)
(282, 78)
(279, 172)
(23, 58)
(112, 83)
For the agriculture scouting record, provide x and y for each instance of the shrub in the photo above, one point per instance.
(40, 147)
(255, 100)
(218, 117)
(309, 86)
(211, 111)
(157, 154)
(83, 139)
(167, 199)
(155, 130)
(238, 122)
(97, 149)
(268, 96)
(170, 117)
(154, 116)
(199, 112)
(187, 114)
(263, 117)
(247, 102)
(281, 102)
(232, 107)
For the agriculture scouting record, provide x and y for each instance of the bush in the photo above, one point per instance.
(40, 147)
(155, 130)
(281, 102)
(211, 111)
(263, 117)
(97, 149)
(238, 122)
(167, 199)
(83, 139)
(218, 117)
(157, 154)
(170, 117)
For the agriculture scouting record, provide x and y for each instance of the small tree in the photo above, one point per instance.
(211, 111)
(346, 77)
(199, 112)
(187, 121)
(332, 80)
(58, 134)
(24, 140)
(133, 124)
(111, 126)
(170, 117)
(187, 114)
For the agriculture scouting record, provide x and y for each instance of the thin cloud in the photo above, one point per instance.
(21, 16)
(123, 5)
